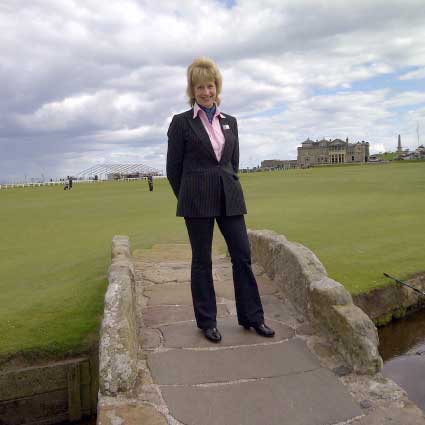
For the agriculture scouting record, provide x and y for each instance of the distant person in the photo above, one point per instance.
(150, 183)
(202, 167)
(68, 184)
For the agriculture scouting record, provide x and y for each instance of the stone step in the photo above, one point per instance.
(164, 314)
(189, 366)
(313, 397)
(188, 336)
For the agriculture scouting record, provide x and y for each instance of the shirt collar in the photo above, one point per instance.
(196, 110)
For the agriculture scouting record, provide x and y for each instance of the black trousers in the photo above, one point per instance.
(248, 302)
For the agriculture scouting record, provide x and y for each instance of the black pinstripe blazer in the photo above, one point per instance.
(195, 174)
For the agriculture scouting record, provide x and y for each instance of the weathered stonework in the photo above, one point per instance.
(226, 383)
(331, 152)
(392, 301)
(119, 343)
(303, 279)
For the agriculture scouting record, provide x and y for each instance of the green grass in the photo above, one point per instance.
(360, 221)
(55, 251)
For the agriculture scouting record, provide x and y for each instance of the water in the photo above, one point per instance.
(402, 347)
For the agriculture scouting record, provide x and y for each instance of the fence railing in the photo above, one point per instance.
(63, 183)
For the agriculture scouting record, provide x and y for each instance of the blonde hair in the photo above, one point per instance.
(202, 70)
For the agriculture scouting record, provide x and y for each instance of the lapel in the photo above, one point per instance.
(202, 134)
(227, 141)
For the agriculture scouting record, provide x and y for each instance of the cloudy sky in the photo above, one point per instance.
(90, 81)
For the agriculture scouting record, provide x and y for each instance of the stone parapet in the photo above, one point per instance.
(119, 344)
(303, 280)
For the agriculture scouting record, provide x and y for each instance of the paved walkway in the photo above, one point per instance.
(291, 379)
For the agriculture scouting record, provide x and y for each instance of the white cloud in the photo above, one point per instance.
(414, 75)
(407, 98)
(92, 81)
(377, 148)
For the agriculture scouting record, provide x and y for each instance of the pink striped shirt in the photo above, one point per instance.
(214, 130)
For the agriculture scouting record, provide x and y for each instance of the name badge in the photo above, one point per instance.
(226, 127)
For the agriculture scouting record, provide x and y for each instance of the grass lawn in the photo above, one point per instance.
(360, 221)
(55, 251)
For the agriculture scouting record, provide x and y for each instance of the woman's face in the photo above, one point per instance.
(205, 94)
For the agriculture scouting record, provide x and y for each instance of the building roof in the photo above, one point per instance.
(326, 143)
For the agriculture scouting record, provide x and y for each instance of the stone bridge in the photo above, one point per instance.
(322, 367)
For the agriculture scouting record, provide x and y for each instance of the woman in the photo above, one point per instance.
(202, 166)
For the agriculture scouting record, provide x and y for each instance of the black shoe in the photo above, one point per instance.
(213, 334)
(261, 329)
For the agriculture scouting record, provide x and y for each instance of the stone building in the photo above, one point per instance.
(331, 152)
(278, 163)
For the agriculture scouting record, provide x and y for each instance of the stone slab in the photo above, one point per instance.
(297, 399)
(231, 307)
(169, 294)
(222, 272)
(162, 274)
(278, 311)
(129, 414)
(188, 335)
(180, 293)
(163, 314)
(178, 366)
(165, 252)
(150, 338)
(393, 415)
(225, 288)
